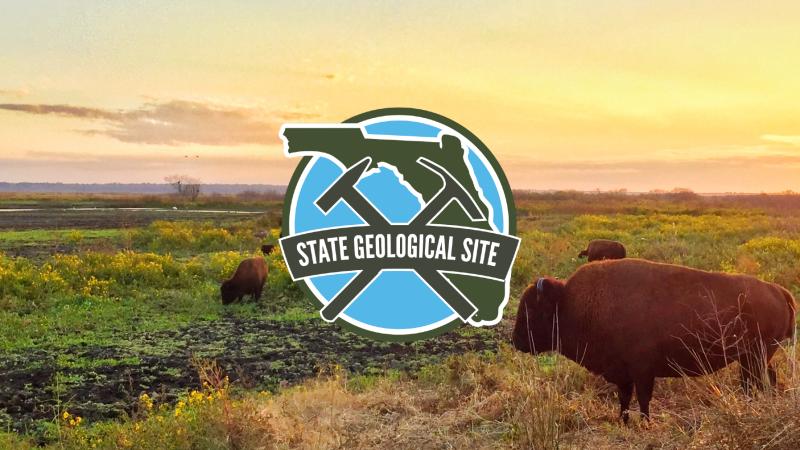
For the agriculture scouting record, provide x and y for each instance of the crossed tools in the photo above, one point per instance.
(344, 189)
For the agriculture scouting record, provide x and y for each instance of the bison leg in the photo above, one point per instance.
(773, 376)
(644, 392)
(756, 371)
(257, 295)
(625, 392)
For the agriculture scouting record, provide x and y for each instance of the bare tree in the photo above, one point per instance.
(185, 186)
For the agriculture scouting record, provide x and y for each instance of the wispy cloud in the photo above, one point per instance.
(174, 122)
(782, 139)
(62, 110)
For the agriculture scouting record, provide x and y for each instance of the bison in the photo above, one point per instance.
(632, 320)
(600, 249)
(248, 280)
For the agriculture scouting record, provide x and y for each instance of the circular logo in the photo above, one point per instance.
(399, 223)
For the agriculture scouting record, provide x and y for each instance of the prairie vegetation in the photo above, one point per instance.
(81, 321)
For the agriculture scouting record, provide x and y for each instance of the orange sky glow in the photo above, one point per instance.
(568, 95)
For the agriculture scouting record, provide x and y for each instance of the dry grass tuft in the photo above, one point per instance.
(514, 400)
(510, 400)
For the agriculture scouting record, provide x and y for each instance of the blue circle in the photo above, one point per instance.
(397, 301)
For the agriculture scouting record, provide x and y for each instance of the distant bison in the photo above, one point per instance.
(601, 249)
(267, 248)
(248, 280)
(632, 320)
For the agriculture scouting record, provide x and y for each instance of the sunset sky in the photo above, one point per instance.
(567, 94)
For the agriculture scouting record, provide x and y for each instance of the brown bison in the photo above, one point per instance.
(248, 280)
(632, 320)
(600, 249)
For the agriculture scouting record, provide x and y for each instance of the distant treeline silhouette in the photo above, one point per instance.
(682, 201)
(137, 188)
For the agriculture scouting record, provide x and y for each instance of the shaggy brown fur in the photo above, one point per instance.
(600, 249)
(632, 320)
(248, 280)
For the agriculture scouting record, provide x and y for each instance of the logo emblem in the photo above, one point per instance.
(399, 222)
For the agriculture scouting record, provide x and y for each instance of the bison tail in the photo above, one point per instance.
(792, 312)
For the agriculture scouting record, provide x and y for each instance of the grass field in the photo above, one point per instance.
(119, 324)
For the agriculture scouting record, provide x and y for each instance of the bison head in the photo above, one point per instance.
(228, 291)
(536, 328)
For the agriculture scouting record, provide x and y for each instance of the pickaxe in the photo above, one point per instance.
(344, 188)
(451, 190)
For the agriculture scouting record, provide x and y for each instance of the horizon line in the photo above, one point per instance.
(621, 191)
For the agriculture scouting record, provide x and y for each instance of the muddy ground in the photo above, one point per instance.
(105, 382)
(101, 382)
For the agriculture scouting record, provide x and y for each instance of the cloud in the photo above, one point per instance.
(62, 110)
(782, 139)
(174, 122)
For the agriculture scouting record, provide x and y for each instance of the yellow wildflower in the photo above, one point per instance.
(146, 401)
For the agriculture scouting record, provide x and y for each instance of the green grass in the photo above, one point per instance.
(70, 321)
(10, 238)
(170, 279)
(137, 299)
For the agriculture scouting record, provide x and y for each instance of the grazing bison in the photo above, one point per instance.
(632, 320)
(248, 280)
(267, 248)
(600, 249)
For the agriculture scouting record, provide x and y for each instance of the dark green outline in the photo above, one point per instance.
(512, 211)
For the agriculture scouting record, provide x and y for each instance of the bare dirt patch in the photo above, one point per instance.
(105, 382)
